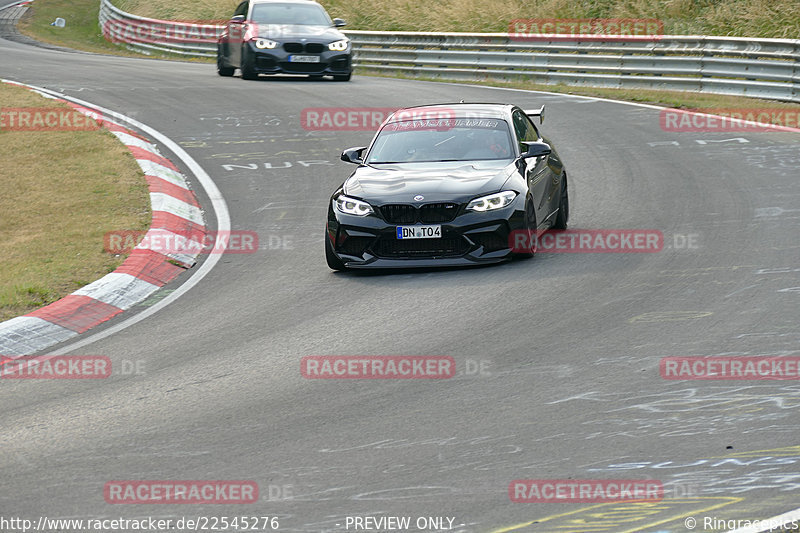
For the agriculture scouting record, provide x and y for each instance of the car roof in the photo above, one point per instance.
(455, 109)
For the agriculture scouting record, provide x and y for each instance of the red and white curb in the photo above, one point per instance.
(175, 210)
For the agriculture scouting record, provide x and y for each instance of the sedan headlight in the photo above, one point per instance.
(338, 46)
(351, 206)
(493, 201)
(265, 43)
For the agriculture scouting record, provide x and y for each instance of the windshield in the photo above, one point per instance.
(457, 139)
(290, 13)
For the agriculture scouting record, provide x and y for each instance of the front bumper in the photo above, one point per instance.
(469, 239)
(278, 61)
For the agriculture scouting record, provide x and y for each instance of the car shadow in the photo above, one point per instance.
(278, 78)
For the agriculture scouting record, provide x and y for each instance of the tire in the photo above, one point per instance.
(530, 227)
(343, 77)
(248, 71)
(222, 68)
(333, 262)
(563, 207)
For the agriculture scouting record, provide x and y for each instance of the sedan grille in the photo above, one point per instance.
(399, 213)
(433, 213)
(299, 48)
(428, 213)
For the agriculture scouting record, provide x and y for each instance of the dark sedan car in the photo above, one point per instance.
(454, 184)
(284, 36)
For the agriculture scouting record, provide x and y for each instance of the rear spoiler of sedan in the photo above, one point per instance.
(536, 113)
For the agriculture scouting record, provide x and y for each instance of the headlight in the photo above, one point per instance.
(493, 201)
(351, 206)
(265, 43)
(338, 46)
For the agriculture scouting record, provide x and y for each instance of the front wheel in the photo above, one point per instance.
(527, 247)
(222, 68)
(563, 207)
(248, 70)
(333, 261)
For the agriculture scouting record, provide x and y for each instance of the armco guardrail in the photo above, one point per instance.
(766, 68)
(152, 35)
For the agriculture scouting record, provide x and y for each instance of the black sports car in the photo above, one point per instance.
(284, 36)
(453, 184)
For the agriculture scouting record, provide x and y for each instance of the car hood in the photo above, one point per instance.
(437, 182)
(299, 31)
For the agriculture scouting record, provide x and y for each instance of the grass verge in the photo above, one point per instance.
(82, 30)
(62, 191)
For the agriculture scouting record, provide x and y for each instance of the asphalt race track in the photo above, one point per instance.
(569, 344)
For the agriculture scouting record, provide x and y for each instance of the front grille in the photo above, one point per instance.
(388, 246)
(427, 213)
(434, 213)
(299, 48)
(399, 213)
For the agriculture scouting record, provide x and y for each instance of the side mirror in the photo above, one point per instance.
(353, 155)
(338, 23)
(536, 149)
(237, 18)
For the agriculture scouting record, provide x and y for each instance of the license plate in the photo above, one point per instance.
(304, 59)
(419, 232)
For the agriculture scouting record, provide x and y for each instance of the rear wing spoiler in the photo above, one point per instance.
(536, 113)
